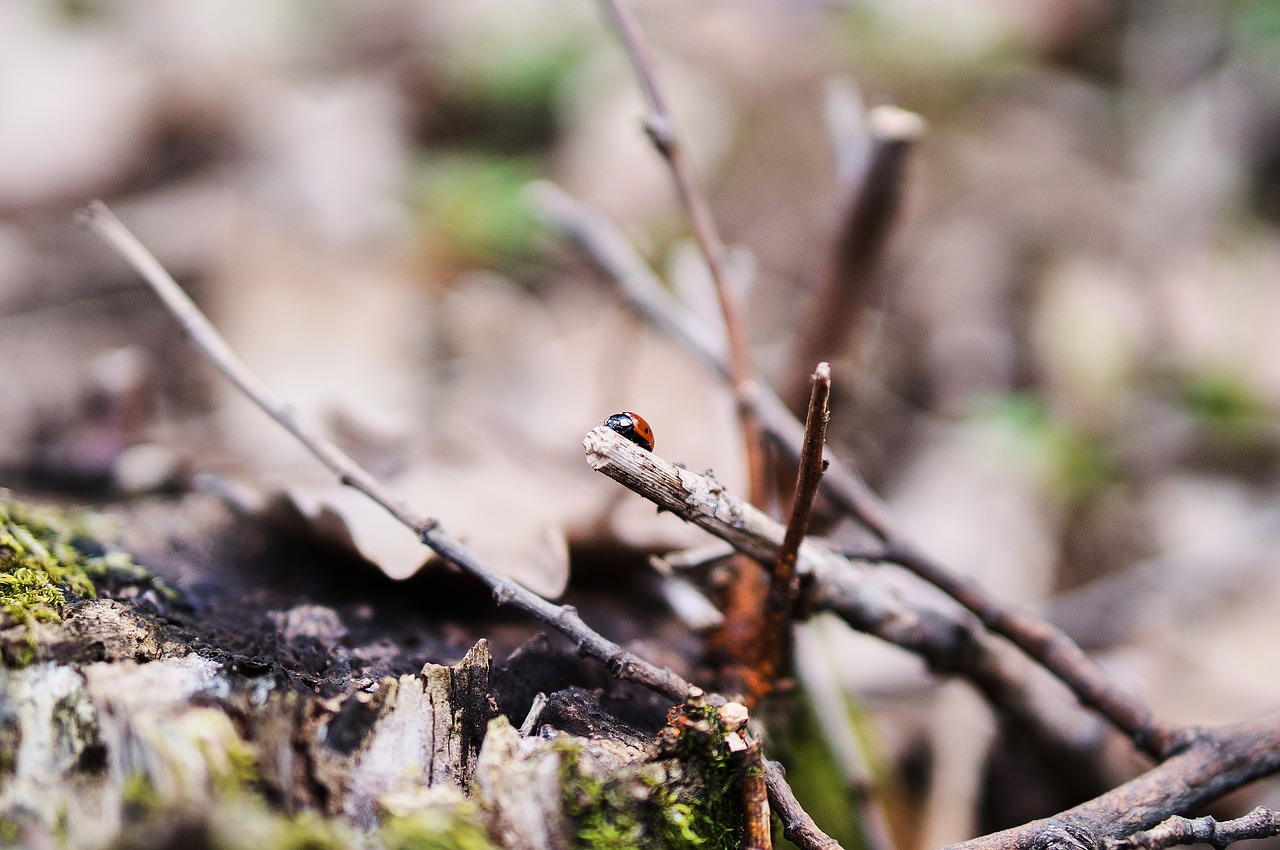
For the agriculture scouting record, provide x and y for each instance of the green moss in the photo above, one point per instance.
(689, 799)
(457, 828)
(9, 832)
(39, 566)
(47, 558)
(712, 786)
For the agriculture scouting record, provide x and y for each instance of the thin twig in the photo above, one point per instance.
(662, 131)
(1090, 683)
(830, 711)
(783, 585)
(1259, 823)
(947, 637)
(864, 231)
(563, 618)
(755, 801)
(797, 826)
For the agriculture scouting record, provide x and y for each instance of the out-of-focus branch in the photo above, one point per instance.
(1213, 764)
(1092, 685)
(663, 132)
(864, 230)
(203, 335)
(1177, 830)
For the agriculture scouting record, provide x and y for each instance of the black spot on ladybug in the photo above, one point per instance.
(633, 427)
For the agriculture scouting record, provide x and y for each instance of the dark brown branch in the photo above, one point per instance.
(864, 231)
(662, 130)
(1212, 765)
(1044, 642)
(1177, 830)
(1092, 685)
(563, 618)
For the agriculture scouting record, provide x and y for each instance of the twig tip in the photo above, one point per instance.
(895, 123)
(91, 212)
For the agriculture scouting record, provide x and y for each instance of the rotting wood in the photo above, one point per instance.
(126, 731)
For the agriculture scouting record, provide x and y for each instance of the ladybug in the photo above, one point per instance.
(633, 427)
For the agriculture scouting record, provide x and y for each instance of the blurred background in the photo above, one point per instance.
(1068, 386)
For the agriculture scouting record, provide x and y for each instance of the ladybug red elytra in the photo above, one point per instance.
(633, 427)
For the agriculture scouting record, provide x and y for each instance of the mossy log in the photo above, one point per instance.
(118, 729)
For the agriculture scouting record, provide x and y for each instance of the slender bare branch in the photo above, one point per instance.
(830, 711)
(783, 586)
(1259, 823)
(666, 138)
(564, 618)
(797, 826)
(947, 637)
(203, 335)
(1089, 682)
(864, 231)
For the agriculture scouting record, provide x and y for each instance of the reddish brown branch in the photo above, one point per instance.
(864, 231)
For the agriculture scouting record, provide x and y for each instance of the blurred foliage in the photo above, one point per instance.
(1077, 466)
(473, 209)
(816, 777)
(506, 99)
(1256, 22)
(1236, 421)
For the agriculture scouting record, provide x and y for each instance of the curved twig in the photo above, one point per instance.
(203, 335)
(661, 127)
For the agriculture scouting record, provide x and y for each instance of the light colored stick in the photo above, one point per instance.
(563, 618)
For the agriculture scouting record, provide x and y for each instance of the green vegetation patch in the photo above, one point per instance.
(40, 565)
(1078, 465)
(46, 560)
(436, 828)
(474, 208)
(688, 798)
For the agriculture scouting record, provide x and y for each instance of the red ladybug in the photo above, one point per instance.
(633, 427)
